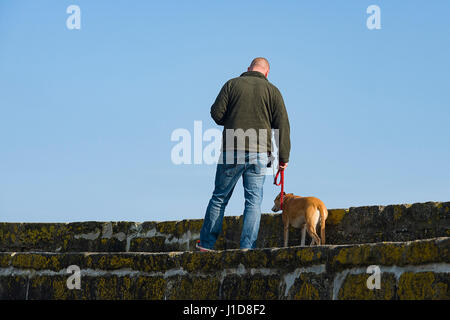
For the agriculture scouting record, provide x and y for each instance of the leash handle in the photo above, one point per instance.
(281, 183)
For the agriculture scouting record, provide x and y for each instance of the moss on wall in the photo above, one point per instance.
(283, 273)
(344, 226)
(423, 285)
(355, 287)
(155, 260)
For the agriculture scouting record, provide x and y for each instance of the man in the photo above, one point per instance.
(246, 106)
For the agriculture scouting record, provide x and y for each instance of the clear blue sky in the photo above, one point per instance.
(86, 115)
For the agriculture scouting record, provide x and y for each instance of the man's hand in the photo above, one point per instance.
(282, 165)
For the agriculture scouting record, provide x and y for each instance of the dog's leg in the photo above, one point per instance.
(303, 235)
(285, 219)
(312, 232)
(286, 235)
(312, 217)
(323, 214)
(312, 238)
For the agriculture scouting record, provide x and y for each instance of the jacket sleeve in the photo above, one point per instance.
(219, 108)
(280, 121)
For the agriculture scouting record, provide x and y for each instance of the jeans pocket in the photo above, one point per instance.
(259, 167)
(230, 169)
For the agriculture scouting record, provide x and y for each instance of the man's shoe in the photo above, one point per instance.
(200, 248)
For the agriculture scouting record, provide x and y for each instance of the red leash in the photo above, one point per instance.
(281, 173)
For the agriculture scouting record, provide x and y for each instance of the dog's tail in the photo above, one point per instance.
(323, 216)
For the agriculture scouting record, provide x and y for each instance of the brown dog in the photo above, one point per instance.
(302, 212)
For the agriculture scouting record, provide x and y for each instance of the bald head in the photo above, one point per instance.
(260, 65)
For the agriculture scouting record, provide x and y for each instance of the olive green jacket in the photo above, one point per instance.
(252, 102)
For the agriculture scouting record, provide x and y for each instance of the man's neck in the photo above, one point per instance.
(263, 72)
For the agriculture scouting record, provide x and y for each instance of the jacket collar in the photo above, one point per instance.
(253, 74)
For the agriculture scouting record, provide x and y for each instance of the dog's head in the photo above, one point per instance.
(276, 202)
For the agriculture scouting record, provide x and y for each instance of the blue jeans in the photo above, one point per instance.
(252, 168)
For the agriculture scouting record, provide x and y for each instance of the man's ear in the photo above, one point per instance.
(248, 69)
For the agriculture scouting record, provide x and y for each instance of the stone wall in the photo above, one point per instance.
(344, 226)
(409, 270)
(155, 260)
